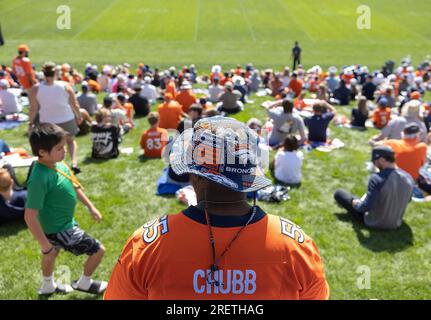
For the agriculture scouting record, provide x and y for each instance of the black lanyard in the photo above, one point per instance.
(214, 267)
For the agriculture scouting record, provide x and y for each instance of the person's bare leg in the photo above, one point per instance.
(93, 262)
(73, 150)
(48, 263)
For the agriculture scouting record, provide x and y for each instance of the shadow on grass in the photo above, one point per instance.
(142, 158)
(380, 240)
(90, 160)
(11, 228)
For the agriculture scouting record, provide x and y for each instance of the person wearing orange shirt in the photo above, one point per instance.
(170, 112)
(185, 97)
(382, 114)
(410, 153)
(154, 140)
(127, 107)
(221, 248)
(170, 86)
(23, 68)
(295, 84)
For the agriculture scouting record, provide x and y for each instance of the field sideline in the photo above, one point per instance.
(203, 32)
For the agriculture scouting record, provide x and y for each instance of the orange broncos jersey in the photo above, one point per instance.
(169, 258)
(381, 117)
(23, 69)
(153, 141)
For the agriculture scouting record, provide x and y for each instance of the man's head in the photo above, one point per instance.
(383, 157)
(223, 151)
(6, 181)
(228, 86)
(287, 105)
(153, 118)
(84, 87)
(121, 98)
(47, 142)
(319, 108)
(195, 111)
(168, 97)
(49, 69)
(4, 84)
(107, 102)
(383, 103)
(412, 109)
(23, 50)
(411, 131)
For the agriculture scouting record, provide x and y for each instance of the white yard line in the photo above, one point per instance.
(253, 36)
(92, 21)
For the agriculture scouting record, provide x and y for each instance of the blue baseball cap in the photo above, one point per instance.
(383, 101)
(222, 150)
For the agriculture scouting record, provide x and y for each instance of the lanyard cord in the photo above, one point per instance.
(214, 266)
(72, 178)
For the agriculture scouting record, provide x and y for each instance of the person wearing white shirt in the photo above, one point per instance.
(9, 102)
(288, 163)
(149, 91)
(215, 90)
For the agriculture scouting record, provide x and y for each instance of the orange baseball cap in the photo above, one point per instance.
(415, 95)
(23, 47)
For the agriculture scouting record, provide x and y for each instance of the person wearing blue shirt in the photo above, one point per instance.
(318, 124)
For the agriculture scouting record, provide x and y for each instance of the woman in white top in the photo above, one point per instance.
(288, 163)
(55, 102)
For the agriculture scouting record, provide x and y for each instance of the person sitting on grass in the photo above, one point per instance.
(154, 140)
(53, 191)
(360, 114)
(286, 121)
(318, 123)
(382, 114)
(105, 136)
(229, 101)
(12, 202)
(288, 162)
(117, 116)
(389, 192)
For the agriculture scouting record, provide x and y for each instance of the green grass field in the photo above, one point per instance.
(227, 32)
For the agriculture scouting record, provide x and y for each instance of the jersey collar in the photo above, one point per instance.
(198, 215)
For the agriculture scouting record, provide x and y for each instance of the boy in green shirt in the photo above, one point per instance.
(53, 191)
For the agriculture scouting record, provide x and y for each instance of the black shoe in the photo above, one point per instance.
(76, 170)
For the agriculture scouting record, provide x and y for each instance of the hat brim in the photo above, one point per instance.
(180, 160)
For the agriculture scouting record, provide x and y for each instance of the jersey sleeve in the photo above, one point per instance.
(309, 271)
(125, 283)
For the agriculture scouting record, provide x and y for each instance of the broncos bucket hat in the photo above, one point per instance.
(222, 150)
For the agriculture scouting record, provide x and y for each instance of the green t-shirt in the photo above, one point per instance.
(54, 196)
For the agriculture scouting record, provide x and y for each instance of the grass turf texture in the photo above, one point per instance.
(226, 32)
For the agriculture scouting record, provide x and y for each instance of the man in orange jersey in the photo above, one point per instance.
(295, 84)
(410, 153)
(23, 69)
(382, 114)
(154, 139)
(186, 97)
(170, 112)
(222, 248)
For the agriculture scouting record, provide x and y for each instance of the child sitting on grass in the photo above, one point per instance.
(288, 163)
(11, 201)
(154, 140)
(105, 136)
(53, 191)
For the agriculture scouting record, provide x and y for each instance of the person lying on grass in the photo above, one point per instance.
(53, 191)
